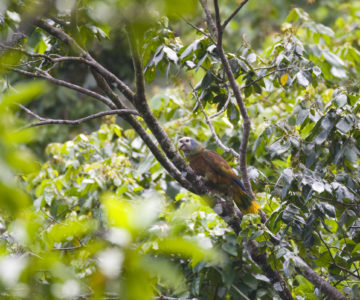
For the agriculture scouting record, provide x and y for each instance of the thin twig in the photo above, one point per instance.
(225, 105)
(45, 121)
(68, 248)
(212, 129)
(200, 30)
(333, 259)
(233, 14)
(61, 35)
(172, 298)
(266, 75)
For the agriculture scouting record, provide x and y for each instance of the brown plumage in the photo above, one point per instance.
(217, 173)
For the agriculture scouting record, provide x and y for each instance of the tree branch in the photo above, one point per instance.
(151, 121)
(160, 157)
(233, 14)
(46, 121)
(324, 286)
(333, 259)
(237, 94)
(61, 35)
(262, 260)
(199, 30)
(162, 297)
(69, 85)
(209, 17)
(224, 107)
(212, 129)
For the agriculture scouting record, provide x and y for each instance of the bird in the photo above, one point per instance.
(217, 173)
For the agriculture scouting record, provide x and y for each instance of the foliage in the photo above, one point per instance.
(101, 218)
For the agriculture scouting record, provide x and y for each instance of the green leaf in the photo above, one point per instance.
(233, 113)
(333, 59)
(301, 78)
(327, 124)
(171, 54)
(207, 80)
(340, 99)
(344, 124)
(189, 49)
(325, 30)
(22, 93)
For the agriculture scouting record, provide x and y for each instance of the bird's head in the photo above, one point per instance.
(189, 146)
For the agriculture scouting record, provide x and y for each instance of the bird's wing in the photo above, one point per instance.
(218, 164)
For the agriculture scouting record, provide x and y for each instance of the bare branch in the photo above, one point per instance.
(209, 17)
(212, 129)
(46, 121)
(61, 35)
(233, 14)
(69, 85)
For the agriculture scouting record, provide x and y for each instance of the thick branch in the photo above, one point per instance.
(154, 125)
(160, 157)
(324, 286)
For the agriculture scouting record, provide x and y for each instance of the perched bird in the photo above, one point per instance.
(217, 173)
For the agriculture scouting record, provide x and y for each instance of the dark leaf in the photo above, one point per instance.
(233, 113)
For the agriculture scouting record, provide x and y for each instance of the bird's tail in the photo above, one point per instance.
(242, 200)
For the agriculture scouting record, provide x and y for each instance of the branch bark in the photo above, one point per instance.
(151, 121)
(233, 14)
(324, 286)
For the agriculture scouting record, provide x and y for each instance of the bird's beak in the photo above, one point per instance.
(181, 145)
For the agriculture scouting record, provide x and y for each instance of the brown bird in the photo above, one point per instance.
(217, 173)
